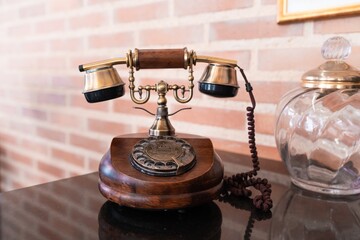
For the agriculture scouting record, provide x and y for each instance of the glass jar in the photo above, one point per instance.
(318, 125)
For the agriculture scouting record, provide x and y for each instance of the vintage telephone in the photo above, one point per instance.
(161, 169)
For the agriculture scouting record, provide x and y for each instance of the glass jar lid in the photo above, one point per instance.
(335, 72)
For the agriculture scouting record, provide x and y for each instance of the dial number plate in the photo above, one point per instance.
(163, 156)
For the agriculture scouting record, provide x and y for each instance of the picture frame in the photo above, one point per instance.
(295, 10)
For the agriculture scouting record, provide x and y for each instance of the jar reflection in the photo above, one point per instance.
(302, 214)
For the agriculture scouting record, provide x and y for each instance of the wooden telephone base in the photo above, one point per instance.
(121, 183)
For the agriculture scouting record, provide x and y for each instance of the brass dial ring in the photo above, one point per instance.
(163, 156)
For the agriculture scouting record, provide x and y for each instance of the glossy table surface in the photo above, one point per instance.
(74, 209)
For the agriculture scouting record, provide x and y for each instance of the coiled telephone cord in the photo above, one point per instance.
(238, 184)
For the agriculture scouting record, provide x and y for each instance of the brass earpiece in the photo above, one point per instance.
(102, 84)
(219, 80)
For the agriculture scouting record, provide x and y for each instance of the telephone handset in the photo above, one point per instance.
(161, 169)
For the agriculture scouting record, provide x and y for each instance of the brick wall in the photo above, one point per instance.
(47, 129)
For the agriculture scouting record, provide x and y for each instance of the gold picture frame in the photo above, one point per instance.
(295, 10)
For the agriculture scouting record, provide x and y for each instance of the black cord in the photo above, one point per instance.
(237, 184)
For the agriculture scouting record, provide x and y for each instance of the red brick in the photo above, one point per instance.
(213, 117)
(94, 164)
(4, 93)
(80, 101)
(32, 10)
(260, 27)
(230, 146)
(116, 40)
(267, 92)
(51, 63)
(35, 178)
(64, 5)
(22, 29)
(66, 44)
(182, 8)
(337, 25)
(265, 123)
(47, 26)
(22, 95)
(17, 185)
(8, 15)
(5, 108)
(7, 138)
(142, 12)
(34, 113)
(20, 158)
(15, 77)
(21, 127)
(34, 46)
(4, 47)
(34, 80)
(66, 120)
(20, 62)
(34, 146)
(290, 59)
(51, 169)
(51, 134)
(161, 36)
(4, 124)
(88, 143)
(145, 129)
(266, 163)
(51, 98)
(89, 20)
(68, 82)
(108, 127)
(243, 148)
(72, 158)
(74, 173)
(9, 167)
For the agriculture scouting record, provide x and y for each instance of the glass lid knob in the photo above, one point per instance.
(336, 48)
(335, 73)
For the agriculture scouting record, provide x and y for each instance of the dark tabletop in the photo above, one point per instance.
(74, 209)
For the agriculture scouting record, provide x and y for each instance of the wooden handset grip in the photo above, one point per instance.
(161, 58)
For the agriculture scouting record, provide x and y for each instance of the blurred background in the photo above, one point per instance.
(47, 129)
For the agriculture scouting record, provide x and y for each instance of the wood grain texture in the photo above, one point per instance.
(160, 58)
(123, 184)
